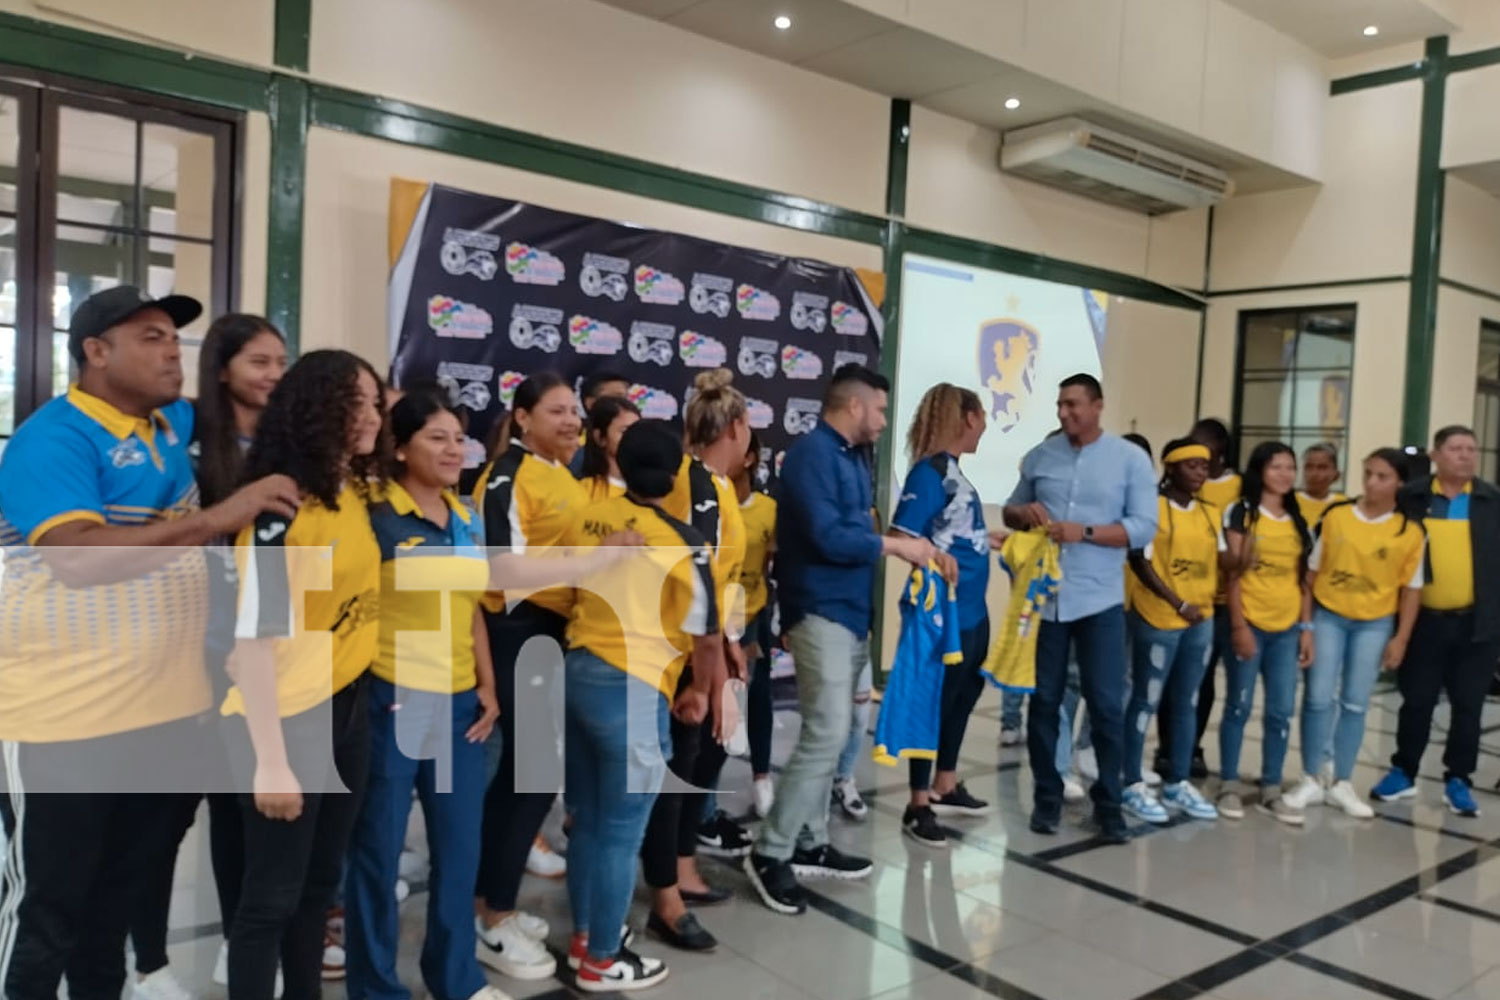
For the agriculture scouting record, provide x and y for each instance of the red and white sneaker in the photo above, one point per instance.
(625, 972)
(578, 946)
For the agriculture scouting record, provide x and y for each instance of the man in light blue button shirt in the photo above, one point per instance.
(1095, 493)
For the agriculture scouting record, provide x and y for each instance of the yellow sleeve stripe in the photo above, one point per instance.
(883, 755)
(63, 518)
(953, 659)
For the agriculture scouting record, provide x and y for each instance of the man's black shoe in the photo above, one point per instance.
(776, 884)
(1045, 822)
(829, 862)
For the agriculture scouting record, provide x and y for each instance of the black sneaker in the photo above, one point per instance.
(625, 972)
(920, 824)
(722, 837)
(1113, 830)
(1045, 822)
(1199, 769)
(776, 884)
(958, 803)
(829, 862)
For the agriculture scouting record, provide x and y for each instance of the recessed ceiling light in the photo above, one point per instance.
(1371, 30)
(782, 22)
(1012, 103)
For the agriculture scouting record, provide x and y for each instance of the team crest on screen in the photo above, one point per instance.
(1008, 352)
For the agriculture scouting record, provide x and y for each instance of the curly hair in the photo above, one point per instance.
(939, 417)
(304, 432)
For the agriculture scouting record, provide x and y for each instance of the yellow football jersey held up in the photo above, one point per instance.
(1032, 560)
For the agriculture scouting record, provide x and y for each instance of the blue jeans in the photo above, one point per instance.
(421, 745)
(1275, 659)
(1165, 660)
(1098, 641)
(859, 723)
(618, 742)
(1012, 703)
(1345, 664)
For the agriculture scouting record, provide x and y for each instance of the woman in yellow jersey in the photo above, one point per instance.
(1366, 574)
(631, 635)
(1268, 544)
(528, 499)
(1320, 470)
(717, 432)
(1220, 490)
(307, 631)
(599, 471)
(432, 706)
(1171, 630)
(758, 511)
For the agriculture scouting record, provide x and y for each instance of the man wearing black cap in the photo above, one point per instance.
(102, 619)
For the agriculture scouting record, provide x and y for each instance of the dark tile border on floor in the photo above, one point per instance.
(1367, 983)
(1464, 908)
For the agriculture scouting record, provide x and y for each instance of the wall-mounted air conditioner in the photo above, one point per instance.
(1113, 167)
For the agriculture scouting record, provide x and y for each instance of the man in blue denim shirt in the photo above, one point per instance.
(1095, 493)
(826, 552)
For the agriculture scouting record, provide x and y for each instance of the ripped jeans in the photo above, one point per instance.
(859, 723)
(1165, 660)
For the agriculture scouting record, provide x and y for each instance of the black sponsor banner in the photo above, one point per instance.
(495, 290)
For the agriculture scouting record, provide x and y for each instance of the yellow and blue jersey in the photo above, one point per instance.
(1034, 563)
(425, 645)
(82, 662)
(911, 711)
(1450, 551)
(940, 504)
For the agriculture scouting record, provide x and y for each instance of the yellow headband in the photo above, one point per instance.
(1186, 452)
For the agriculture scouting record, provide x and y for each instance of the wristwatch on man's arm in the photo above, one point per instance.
(1088, 532)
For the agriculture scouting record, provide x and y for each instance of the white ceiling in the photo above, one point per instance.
(1335, 27)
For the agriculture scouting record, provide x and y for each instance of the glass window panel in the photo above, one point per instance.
(96, 168)
(184, 268)
(7, 380)
(88, 261)
(1489, 353)
(1268, 342)
(1263, 401)
(63, 369)
(10, 141)
(1325, 350)
(177, 178)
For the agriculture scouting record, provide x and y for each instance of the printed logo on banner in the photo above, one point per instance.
(1008, 352)
(801, 417)
(699, 351)
(654, 404)
(651, 343)
(763, 466)
(780, 457)
(527, 265)
(800, 364)
(604, 275)
(809, 311)
(509, 383)
(449, 317)
(535, 327)
(711, 294)
(759, 413)
(474, 453)
(757, 304)
(758, 357)
(842, 358)
(658, 287)
(594, 336)
(466, 385)
(849, 320)
(466, 251)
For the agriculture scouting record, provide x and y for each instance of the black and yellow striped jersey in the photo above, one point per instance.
(528, 502)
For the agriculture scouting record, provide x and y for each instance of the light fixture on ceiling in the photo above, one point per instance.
(782, 22)
(1371, 30)
(1012, 103)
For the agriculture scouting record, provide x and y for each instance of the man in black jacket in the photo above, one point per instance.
(1457, 637)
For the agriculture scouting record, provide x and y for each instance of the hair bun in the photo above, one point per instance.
(716, 378)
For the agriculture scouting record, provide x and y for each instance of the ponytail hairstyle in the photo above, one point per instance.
(715, 407)
(1399, 463)
(528, 394)
(1254, 486)
(221, 459)
(939, 418)
(601, 417)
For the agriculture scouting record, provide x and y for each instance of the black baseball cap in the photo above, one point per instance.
(104, 310)
(650, 456)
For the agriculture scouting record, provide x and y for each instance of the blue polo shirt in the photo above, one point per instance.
(940, 504)
(826, 543)
(83, 662)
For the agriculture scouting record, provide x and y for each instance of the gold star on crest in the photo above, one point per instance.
(1013, 304)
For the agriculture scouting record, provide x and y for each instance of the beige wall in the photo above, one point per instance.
(1471, 236)
(591, 74)
(1379, 355)
(1357, 225)
(1455, 361)
(1150, 370)
(1469, 133)
(345, 260)
(239, 30)
(954, 185)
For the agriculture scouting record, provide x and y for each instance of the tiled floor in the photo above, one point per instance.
(1404, 906)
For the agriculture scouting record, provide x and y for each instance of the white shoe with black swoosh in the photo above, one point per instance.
(625, 972)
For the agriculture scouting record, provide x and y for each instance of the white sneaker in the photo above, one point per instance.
(1343, 796)
(412, 866)
(334, 961)
(764, 794)
(1306, 792)
(1073, 790)
(1012, 737)
(1088, 764)
(488, 992)
(508, 950)
(846, 794)
(532, 925)
(160, 985)
(543, 862)
(1150, 777)
(403, 890)
(221, 971)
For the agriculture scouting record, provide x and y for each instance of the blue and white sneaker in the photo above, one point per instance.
(1183, 797)
(1140, 803)
(1394, 786)
(1460, 798)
